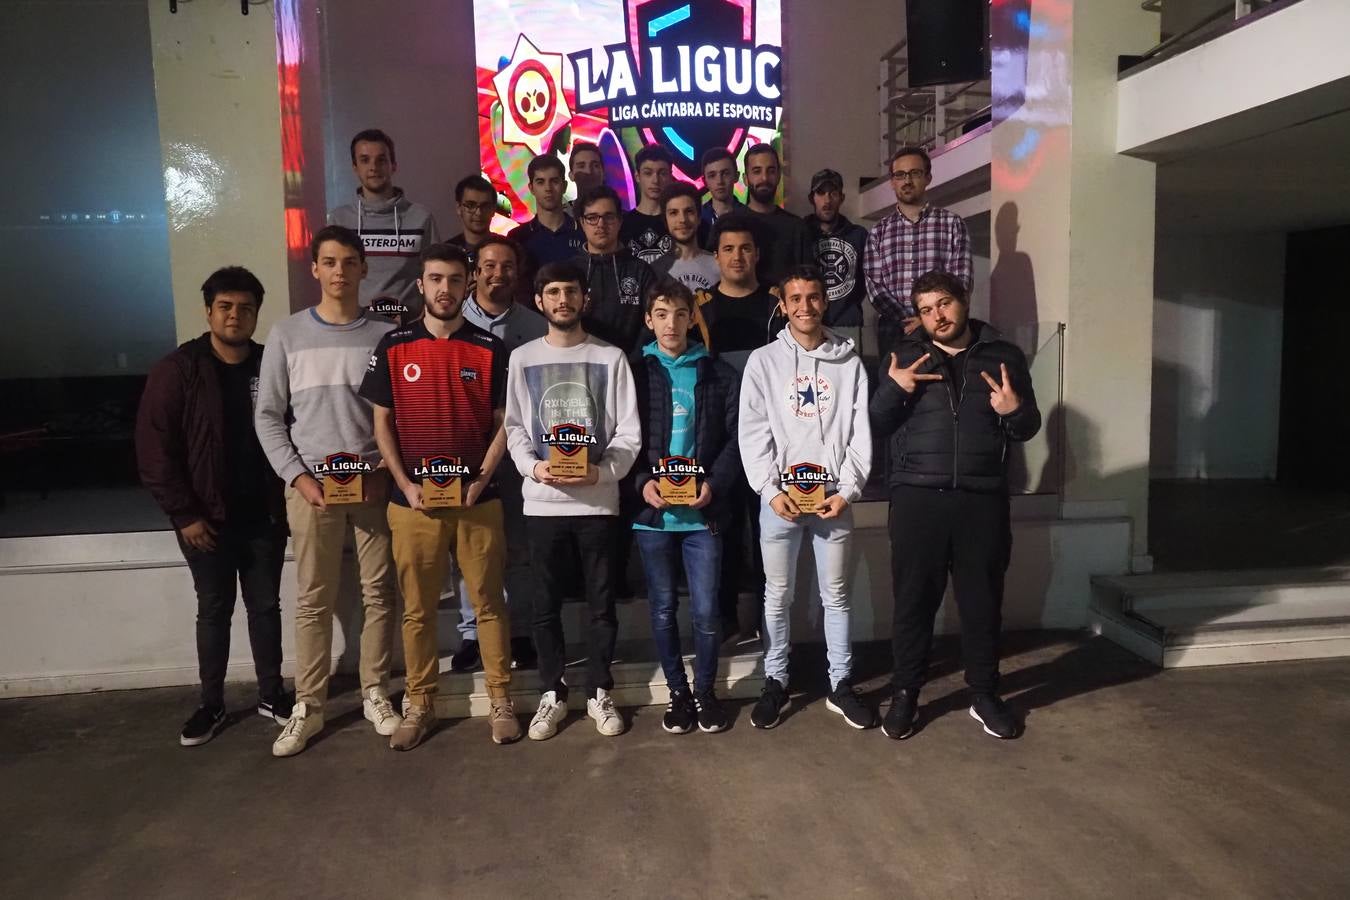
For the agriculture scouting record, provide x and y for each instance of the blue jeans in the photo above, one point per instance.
(701, 554)
(781, 542)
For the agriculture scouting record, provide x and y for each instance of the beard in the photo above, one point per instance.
(961, 328)
(763, 192)
(450, 316)
(563, 324)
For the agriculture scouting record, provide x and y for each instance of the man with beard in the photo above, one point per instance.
(615, 280)
(552, 235)
(955, 396)
(644, 227)
(687, 262)
(719, 177)
(838, 246)
(439, 390)
(490, 306)
(571, 385)
(393, 229)
(915, 239)
(199, 457)
(783, 241)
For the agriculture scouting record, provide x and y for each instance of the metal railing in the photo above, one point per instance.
(928, 117)
(1222, 16)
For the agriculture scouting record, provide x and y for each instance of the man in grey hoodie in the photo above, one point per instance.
(393, 229)
(804, 432)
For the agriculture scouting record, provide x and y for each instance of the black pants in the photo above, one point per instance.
(252, 555)
(934, 532)
(742, 562)
(559, 544)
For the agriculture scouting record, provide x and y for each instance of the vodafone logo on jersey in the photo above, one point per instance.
(412, 372)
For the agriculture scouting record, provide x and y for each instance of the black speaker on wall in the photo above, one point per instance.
(946, 41)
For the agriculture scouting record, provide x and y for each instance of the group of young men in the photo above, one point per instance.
(684, 377)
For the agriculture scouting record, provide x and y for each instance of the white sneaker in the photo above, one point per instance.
(551, 711)
(607, 719)
(379, 711)
(300, 727)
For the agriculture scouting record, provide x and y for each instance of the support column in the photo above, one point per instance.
(1073, 226)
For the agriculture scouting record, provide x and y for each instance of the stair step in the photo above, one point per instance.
(1239, 588)
(638, 680)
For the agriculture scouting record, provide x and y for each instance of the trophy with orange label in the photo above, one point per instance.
(343, 477)
(677, 479)
(442, 480)
(568, 450)
(805, 485)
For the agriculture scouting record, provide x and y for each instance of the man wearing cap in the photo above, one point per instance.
(838, 247)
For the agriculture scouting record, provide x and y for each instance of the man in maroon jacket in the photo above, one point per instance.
(199, 457)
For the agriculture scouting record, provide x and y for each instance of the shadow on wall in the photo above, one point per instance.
(1012, 283)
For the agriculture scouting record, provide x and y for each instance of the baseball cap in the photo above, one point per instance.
(825, 180)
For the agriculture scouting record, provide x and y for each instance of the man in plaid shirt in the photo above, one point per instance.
(914, 239)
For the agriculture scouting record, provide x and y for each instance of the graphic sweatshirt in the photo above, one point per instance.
(805, 406)
(394, 233)
(589, 385)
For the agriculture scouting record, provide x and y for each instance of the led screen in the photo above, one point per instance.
(690, 75)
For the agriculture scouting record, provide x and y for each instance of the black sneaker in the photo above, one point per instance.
(899, 721)
(996, 718)
(466, 658)
(769, 709)
(522, 654)
(711, 716)
(205, 724)
(680, 713)
(277, 708)
(845, 701)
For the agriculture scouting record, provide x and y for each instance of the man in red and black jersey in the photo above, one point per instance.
(439, 389)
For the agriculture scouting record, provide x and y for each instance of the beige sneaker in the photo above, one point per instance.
(505, 725)
(413, 728)
(300, 727)
(379, 712)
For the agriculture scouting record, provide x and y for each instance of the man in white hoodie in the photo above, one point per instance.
(393, 229)
(804, 432)
(572, 390)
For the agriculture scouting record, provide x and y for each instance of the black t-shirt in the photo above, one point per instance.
(645, 236)
(246, 468)
(737, 325)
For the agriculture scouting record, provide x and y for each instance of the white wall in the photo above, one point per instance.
(1217, 332)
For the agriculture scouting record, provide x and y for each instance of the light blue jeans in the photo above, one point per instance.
(781, 543)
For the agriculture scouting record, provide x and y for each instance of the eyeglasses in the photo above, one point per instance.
(477, 207)
(911, 175)
(596, 218)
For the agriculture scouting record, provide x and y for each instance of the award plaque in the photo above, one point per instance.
(805, 486)
(568, 450)
(677, 479)
(343, 477)
(442, 480)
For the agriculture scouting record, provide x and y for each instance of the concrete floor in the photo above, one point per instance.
(1129, 782)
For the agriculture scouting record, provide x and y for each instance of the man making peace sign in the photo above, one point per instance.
(955, 396)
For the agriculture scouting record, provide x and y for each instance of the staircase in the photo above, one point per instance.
(1221, 618)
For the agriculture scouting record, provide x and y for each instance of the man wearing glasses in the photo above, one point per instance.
(475, 201)
(616, 280)
(915, 239)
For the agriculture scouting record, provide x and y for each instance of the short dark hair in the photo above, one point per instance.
(911, 151)
(473, 182)
(592, 196)
(489, 241)
(670, 289)
(653, 153)
(716, 154)
(939, 280)
(805, 272)
(679, 189)
(544, 161)
(232, 278)
(344, 236)
(734, 222)
(762, 148)
(586, 146)
(559, 271)
(446, 252)
(374, 136)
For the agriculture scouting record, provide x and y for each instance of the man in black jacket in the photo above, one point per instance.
(199, 457)
(616, 280)
(956, 396)
(688, 402)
